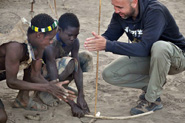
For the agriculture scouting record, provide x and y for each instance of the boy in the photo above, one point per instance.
(16, 54)
(60, 66)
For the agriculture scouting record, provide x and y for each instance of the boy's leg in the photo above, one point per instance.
(86, 61)
(66, 66)
(2, 75)
(3, 115)
(128, 72)
(24, 100)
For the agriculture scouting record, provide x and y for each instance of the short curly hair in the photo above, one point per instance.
(68, 20)
(41, 20)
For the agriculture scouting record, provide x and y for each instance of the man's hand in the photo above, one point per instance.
(96, 43)
(56, 89)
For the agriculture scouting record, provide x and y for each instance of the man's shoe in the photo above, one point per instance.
(142, 97)
(145, 106)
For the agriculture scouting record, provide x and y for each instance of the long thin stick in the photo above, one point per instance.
(55, 8)
(119, 118)
(52, 9)
(32, 5)
(97, 59)
(31, 11)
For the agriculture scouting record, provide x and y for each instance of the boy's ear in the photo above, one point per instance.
(60, 30)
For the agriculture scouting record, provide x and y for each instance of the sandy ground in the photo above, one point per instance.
(112, 100)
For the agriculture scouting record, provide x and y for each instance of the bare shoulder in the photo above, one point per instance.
(50, 51)
(76, 44)
(11, 47)
(77, 40)
(15, 49)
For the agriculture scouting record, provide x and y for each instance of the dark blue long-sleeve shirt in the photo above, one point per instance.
(154, 22)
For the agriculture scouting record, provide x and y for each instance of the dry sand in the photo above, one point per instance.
(112, 100)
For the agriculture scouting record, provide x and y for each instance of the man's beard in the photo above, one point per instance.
(132, 11)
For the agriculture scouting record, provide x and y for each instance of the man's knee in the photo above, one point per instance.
(160, 49)
(107, 75)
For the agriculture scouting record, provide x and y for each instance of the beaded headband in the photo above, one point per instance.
(46, 29)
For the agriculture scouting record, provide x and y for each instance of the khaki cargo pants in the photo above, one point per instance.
(147, 73)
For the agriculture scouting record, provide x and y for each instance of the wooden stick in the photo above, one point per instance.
(51, 8)
(55, 8)
(97, 59)
(32, 5)
(120, 118)
(33, 1)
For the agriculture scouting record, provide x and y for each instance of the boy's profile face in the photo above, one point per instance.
(48, 39)
(69, 35)
(41, 41)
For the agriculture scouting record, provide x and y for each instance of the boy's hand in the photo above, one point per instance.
(60, 92)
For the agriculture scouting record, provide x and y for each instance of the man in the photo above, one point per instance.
(16, 54)
(157, 49)
(61, 66)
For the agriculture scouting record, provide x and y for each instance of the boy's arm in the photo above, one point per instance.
(49, 55)
(78, 78)
(12, 62)
(14, 53)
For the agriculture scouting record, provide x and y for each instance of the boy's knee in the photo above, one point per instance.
(86, 61)
(3, 116)
(71, 65)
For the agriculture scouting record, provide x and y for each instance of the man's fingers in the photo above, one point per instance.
(95, 35)
(91, 38)
(91, 47)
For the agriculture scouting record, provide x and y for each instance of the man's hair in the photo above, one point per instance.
(68, 20)
(41, 21)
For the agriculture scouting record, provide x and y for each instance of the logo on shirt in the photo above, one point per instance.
(135, 33)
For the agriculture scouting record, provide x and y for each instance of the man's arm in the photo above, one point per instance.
(153, 27)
